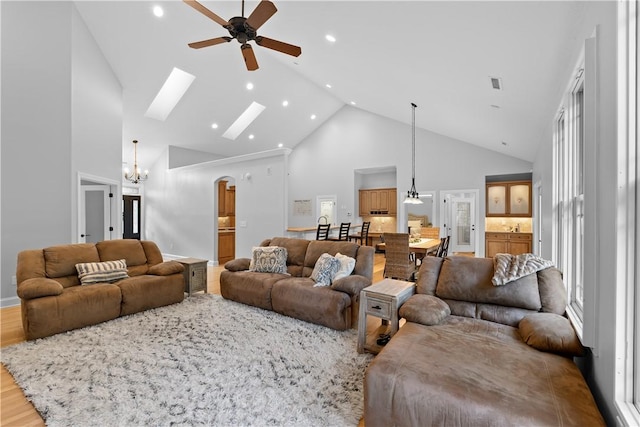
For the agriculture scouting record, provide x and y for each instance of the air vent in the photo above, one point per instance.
(496, 83)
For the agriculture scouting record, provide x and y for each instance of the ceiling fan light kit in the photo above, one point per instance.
(245, 30)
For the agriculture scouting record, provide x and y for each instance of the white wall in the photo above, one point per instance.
(48, 96)
(324, 163)
(181, 205)
(598, 367)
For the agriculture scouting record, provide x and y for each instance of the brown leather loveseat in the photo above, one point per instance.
(293, 293)
(54, 300)
(472, 353)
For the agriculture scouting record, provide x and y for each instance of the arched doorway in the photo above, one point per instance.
(226, 230)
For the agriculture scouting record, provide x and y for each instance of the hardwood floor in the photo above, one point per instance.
(16, 410)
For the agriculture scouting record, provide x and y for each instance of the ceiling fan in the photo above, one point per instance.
(244, 30)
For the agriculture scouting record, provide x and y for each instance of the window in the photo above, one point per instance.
(574, 133)
(627, 381)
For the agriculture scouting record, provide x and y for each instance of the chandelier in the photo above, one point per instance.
(412, 195)
(136, 175)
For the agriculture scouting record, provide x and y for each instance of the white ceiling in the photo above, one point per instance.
(388, 54)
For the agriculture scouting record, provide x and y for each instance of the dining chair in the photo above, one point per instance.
(398, 263)
(323, 231)
(363, 235)
(443, 249)
(343, 234)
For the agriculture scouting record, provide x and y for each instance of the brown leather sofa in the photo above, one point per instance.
(293, 294)
(474, 354)
(53, 299)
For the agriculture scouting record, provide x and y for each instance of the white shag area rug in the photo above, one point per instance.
(205, 361)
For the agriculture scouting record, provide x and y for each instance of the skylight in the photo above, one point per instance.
(170, 93)
(245, 119)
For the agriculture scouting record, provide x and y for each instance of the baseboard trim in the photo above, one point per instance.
(9, 302)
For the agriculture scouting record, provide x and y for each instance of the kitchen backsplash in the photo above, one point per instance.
(380, 224)
(502, 224)
(224, 221)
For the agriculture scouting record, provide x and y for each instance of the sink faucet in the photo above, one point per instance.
(326, 219)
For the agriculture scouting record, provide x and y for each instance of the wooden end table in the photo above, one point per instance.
(195, 274)
(382, 299)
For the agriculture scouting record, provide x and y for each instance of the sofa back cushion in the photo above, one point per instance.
(296, 251)
(469, 279)
(130, 250)
(319, 247)
(60, 261)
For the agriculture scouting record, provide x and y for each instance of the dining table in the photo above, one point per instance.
(423, 246)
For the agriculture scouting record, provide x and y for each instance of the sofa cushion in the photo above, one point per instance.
(270, 259)
(249, 287)
(238, 264)
(102, 272)
(553, 294)
(39, 287)
(469, 279)
(326, 267)
(128, 249)
(424, 309)
(296, 251)
(146, 292)
(347, 264)
(550, 332)
(61, 260)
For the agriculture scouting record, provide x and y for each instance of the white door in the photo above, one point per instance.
(95, 218)
(327, 210)
(459, 220)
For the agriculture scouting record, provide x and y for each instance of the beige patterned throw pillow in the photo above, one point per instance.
(269, 259)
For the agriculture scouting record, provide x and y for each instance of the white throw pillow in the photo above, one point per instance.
(347, 264)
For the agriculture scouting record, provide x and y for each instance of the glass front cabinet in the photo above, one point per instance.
(509, 199)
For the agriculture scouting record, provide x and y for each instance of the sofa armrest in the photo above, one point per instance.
(424, 309)
(552, 333)
(351, 285)
(238, 264)
(166, 268)
(39, 287)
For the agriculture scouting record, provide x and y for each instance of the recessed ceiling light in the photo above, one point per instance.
(169, 94)
(353, 103)
(157, 10)
(214, 126)
(285, 103)
(328, 85)
(280, 145)
(245, 119)
(330, 38)
(249, 86)
(313, 117)
(251, 136)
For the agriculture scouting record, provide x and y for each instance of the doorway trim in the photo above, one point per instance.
(116, 204)
(448, 194)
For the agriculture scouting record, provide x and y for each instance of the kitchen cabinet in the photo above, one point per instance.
(226, 246)
(509, 199)
(378, 201)
(507, 243)
(226, 199)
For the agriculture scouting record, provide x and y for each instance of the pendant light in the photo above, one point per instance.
(136, 176)
(413, 198)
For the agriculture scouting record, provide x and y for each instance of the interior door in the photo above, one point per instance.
(459, 220)
(95, 218)
(131, 208)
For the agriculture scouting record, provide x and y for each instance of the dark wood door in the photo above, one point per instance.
(131, 217)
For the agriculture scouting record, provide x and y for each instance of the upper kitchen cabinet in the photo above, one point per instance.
(379, 201)
(226, 199)
(511, 198)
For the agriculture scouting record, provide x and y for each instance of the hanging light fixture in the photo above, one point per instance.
(413, 197)
(136, 175)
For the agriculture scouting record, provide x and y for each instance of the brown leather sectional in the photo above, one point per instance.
(293, 294)
(54, 301)
(473, 354)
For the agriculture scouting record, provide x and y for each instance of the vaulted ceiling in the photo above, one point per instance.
(387, 54)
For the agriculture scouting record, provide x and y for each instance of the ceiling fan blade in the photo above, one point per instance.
(200, 8)
(210, 42)
(249, 57)
(283, 47)
(261, 14)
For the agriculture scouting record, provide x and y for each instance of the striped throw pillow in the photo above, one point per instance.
(101, 272)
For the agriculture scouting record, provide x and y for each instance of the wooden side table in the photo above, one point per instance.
(382, 299)
(195, 274)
